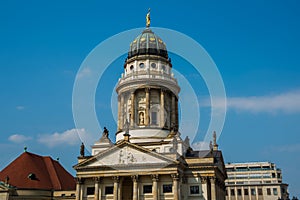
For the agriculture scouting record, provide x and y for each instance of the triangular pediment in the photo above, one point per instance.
(125, 154)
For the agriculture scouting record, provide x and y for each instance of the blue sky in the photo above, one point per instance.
(255, 45)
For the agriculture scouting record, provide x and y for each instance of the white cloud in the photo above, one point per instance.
(17, 138)
(69, 137)
(291, 148)
(288, 102)
(20, 107)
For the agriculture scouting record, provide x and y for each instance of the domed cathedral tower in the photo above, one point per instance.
(147, 91)
(149, 159)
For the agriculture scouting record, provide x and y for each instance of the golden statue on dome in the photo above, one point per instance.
(148, 18)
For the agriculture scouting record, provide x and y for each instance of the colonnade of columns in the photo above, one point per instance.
(117, 187)
(212, 188)
(146, 122)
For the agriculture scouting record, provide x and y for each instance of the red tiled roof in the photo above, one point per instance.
(49, 174)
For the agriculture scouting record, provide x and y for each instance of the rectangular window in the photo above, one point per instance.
(90, 190)
(167, 188)
(147, 189)
(253, 192)
(232, 192)
(109, 190)
(246, 191)
(153, 118)
(194, 189)
(275, 191)
(260, 192)
(268, 191)
(239, 192)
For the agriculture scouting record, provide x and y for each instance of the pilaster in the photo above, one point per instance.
(154, 186)
(175, 178)
(116, 186)
(147, 107)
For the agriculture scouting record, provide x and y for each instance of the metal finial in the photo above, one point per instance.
(25, 149)
(148, 19)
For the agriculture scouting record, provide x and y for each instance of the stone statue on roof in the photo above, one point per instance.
(105, 132)
(82, 150)
(148, 18)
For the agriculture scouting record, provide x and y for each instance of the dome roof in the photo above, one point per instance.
(148, 43)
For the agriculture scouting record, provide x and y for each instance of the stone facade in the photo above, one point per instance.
(149, 159)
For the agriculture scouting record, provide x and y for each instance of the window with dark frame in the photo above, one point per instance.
(154, 118)
(253, 192)
(167, 188)
(260, 192)
(90, 190)
(275, 191)
(147, 189)
(109, 190)
(194, 189)
(246, 191)
(268, 191)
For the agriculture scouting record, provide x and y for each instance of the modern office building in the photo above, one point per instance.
(255, 181)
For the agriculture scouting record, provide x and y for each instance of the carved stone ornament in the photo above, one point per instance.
(116, 179)
(134, 178)
(154, 177)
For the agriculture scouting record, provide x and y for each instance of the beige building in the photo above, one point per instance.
(255, 181)
(149, 159)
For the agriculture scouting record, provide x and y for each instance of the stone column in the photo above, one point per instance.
(78, 188)
(116, 187)
(176, 113)
(135, 187)
(173, 111)
(204, 186)
(162, 109)
(119, 113)
(213, 188)
(175, 186)
(147, 107)
(122, 112)
(97, 182)
(132, 117)
(81, 192)
(154, 186)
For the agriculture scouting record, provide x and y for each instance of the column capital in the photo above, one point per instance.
(154, 177)
(175, 176)
(116, 179)
(163, 90)
(79, 180)
(213, 179)
(97, 179)
(203, 179)
(134, 178)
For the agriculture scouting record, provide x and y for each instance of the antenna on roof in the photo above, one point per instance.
(25, 149)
